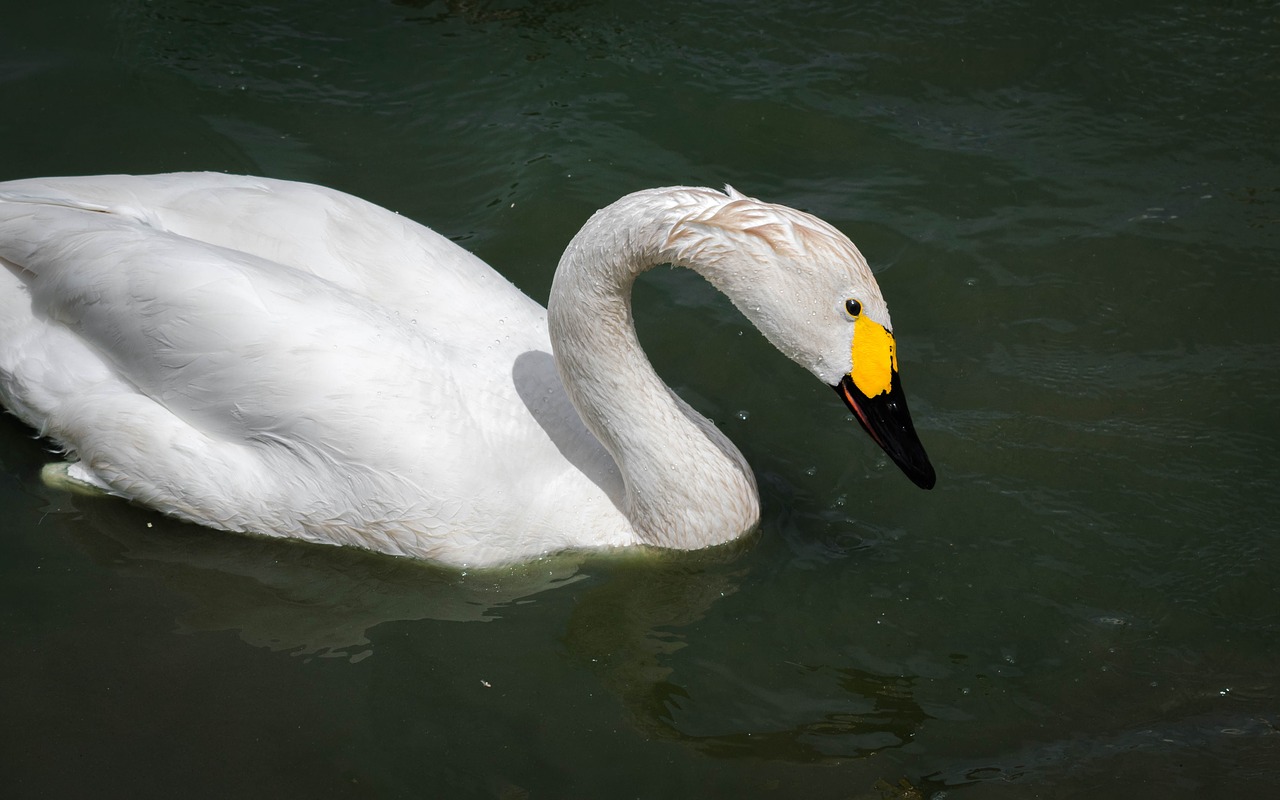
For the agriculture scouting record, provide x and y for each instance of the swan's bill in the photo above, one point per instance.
(885, 417)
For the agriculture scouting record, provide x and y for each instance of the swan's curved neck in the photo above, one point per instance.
(687, 486)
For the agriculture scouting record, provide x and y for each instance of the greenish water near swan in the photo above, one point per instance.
(1074, 212)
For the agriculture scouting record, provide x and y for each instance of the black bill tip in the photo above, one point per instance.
(887, 420)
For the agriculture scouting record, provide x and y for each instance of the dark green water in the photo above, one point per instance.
(1074, 211)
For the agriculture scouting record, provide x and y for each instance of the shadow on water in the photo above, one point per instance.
(630, 618)
(292, 596)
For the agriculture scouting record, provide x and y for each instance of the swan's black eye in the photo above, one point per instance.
(853, 307)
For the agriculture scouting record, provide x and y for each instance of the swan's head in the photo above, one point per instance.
(811, 293)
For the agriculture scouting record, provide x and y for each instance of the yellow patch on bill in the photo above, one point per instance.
(874, 357)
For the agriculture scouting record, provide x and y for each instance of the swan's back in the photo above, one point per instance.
(361, 247)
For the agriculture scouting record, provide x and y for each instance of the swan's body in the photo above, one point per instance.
(265, 356)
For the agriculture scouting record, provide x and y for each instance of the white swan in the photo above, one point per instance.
(280, 358)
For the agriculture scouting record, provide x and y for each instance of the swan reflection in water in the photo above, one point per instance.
(630, 619)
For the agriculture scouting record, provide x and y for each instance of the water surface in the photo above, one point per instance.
(1074, 212)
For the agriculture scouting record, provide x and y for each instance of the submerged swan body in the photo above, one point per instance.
(280, 358)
